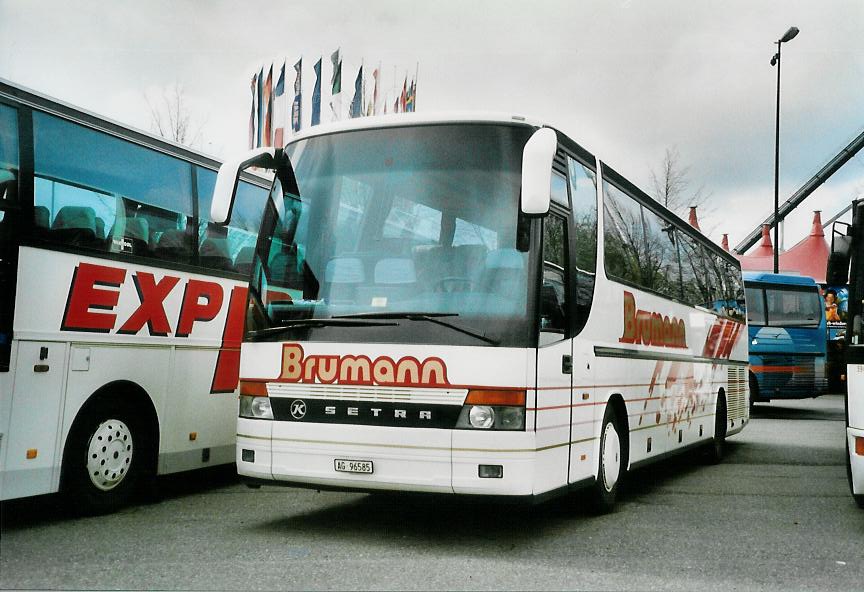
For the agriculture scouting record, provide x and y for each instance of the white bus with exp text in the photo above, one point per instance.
(121, 304)
(476, 305)
(846, 264)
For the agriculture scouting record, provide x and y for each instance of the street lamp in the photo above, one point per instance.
(775, 61)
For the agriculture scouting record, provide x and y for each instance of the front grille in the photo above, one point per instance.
(372, 394)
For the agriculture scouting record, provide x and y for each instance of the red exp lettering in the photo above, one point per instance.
(151, 311)
(85, 294)
(195, 310)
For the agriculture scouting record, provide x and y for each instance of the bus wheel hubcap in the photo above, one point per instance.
(109, 454)
(611, 457)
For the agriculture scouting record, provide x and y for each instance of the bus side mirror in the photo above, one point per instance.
(229, 175)
(537, 172)
(838, 260)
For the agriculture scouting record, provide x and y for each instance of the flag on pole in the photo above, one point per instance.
(268, 108)
(260, 110)
(279, 109)
(409, 102)
(253, 88)
(403, 98)
(296, 114)
(316, 94)
(336, 86)
(357, 101)
(376, 106)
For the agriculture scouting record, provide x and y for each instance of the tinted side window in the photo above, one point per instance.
(553, 293)
(100, 192)
(8, 248)
(8, 155)
(659, 261)
(623, 235)
(698, 284)
(230, 247)
(583, 195)
(755, 306)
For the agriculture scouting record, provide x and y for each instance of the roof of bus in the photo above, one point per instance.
(490, 117)
(778, 278)
(54, 106)
(404, 119)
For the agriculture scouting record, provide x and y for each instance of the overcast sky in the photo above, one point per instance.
(626, 79)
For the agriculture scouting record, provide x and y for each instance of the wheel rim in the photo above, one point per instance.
(109, 454)
(611, 457)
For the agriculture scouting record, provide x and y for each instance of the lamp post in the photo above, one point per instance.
(775, 61)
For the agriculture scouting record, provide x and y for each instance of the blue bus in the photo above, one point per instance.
(788, 337)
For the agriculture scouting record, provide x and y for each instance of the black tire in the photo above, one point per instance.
(717, 448)
(754, 391)
(107, 457)
(611, 463)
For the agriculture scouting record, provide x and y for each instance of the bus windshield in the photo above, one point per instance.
(415, 226)
(787, 306)
(793, 308)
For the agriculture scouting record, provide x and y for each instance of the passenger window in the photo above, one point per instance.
(583, 195)
(8, 156)
(553, 293)
(8, 247)
(624, 236)
(755, 306)
(229, 247)
(97, 191)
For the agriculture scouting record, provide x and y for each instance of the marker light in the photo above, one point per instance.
(255, 407)
(253, 388)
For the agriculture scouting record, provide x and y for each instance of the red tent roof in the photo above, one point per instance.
(810, 256)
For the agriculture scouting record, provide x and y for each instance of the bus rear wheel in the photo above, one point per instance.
(105, 457)
(612, 464)
(717, 448)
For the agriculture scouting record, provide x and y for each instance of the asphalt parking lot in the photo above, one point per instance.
(776, 515)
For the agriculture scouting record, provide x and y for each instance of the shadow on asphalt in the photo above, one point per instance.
(47, 509)
(781, 410)
(433, 520)
(444, 520)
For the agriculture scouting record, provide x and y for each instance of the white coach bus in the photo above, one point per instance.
(846, 264)
(121, 304)
(476, 305)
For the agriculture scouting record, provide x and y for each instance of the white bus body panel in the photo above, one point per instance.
(176, 373)
(855, 385)
(415, 458)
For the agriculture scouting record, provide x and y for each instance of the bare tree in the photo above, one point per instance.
(671, 186)
(171, 117)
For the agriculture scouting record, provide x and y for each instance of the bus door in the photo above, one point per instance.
(33, 407)
(554, 361)
(9, 226)
(558, 370)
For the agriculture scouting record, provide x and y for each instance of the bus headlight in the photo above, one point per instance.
(493, 409)
(481, 416)
(255, 407)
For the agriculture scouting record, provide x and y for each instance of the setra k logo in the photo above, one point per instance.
(298, 409)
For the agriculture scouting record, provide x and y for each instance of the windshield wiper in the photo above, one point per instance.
(431, 317)
(336, 321)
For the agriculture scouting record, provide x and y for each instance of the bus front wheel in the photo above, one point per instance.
(612, 465)
(105, 457)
